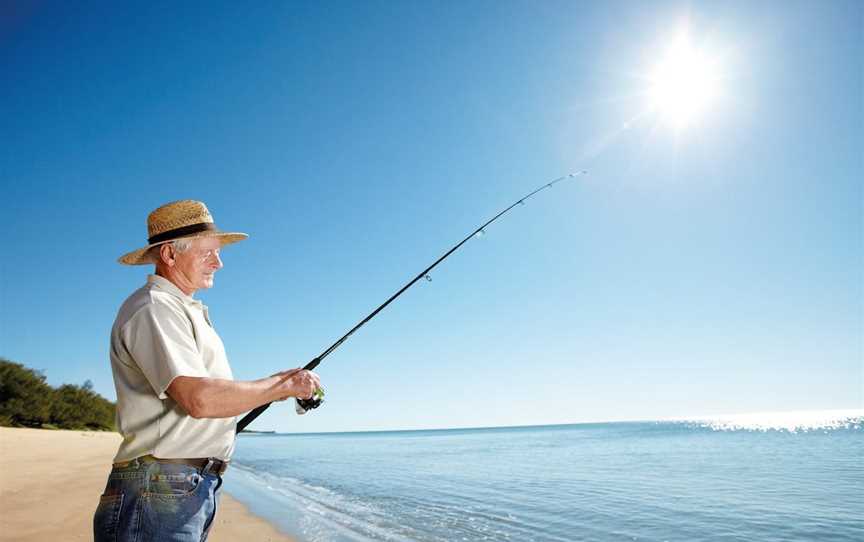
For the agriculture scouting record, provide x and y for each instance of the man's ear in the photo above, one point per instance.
(166, 253)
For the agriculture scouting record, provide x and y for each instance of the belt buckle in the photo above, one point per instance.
(220, 466)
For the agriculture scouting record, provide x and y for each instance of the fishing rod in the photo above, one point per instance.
(305, 405)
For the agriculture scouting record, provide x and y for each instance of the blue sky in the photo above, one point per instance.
(715, 269)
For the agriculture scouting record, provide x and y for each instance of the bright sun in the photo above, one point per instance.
(684, 84)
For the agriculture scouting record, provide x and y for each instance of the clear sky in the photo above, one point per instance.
(713, 267)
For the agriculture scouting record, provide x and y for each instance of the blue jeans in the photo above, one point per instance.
(149, 501)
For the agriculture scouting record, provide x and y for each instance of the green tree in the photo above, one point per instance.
(25, 397)
(78, 407)
(27, 400)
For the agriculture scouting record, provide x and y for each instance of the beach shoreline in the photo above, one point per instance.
(50, 482)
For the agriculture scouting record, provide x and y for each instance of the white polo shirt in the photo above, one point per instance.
(161, 333)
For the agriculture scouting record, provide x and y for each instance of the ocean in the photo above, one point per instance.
(797, 476)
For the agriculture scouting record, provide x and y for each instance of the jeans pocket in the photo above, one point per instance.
(173, 481)
(107, 518)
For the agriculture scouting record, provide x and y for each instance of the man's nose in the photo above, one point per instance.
(217, 261)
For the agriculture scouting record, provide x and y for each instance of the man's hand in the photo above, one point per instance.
(298, 383)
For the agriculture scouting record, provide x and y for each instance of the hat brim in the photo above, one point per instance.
(139, 257)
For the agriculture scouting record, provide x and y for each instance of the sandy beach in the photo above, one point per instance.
(50, 482)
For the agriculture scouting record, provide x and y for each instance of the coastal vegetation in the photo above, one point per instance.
(27, 400)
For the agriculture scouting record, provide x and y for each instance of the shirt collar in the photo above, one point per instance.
(169, 287)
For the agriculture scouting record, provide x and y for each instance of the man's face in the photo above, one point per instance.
(197, 265)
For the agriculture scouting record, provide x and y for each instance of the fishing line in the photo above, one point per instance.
(305, 405)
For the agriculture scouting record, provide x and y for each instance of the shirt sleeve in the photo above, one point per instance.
(161, 340)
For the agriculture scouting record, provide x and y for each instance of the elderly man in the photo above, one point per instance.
(176, 396)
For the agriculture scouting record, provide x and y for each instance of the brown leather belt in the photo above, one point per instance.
(207, 465)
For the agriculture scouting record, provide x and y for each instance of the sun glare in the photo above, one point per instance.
(684, 84)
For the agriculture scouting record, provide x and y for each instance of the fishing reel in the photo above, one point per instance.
(302, 406)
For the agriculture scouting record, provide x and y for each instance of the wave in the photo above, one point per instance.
(324, 514)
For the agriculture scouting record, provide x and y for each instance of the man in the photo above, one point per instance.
(176, 396)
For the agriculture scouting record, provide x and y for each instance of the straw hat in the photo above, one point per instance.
(179, 220)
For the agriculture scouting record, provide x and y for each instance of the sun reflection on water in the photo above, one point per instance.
(793, 422)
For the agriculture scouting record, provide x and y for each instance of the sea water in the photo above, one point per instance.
(765, 478)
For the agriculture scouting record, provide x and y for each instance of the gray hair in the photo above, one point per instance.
(180, 245)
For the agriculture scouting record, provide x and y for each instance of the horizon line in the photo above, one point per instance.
(836, 412)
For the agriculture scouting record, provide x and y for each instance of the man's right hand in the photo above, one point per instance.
(298, 383)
